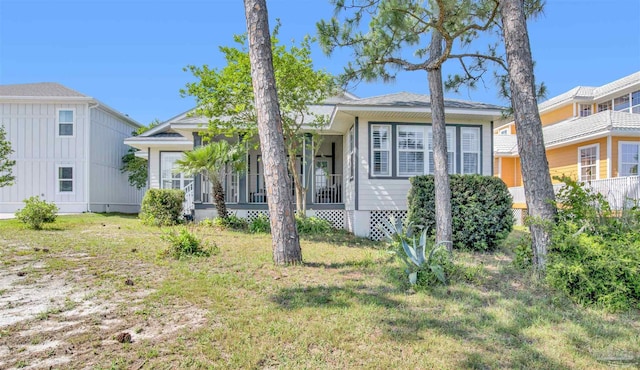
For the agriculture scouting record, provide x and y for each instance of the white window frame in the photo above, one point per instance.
(420, 148)
(597, 163)
(504, 131)
(585, 110)
(478, 133)
(605, 104)
(351, 155)
(72, 179)
(451, 149)
(634, 108)
(620, 163)
(387, 150)
(184, 181)
(72, 123)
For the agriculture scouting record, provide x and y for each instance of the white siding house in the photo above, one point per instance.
(370, 149)
(68, 149)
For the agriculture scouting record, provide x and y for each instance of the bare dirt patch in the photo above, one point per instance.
(52, 318)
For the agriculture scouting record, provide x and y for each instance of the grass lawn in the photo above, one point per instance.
(66, 292)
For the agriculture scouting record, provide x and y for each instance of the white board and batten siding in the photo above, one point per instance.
(109, 187)
(39, 151)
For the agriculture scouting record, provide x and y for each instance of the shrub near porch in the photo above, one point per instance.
(480, 207)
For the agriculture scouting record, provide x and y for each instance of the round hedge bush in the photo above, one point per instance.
(480, 207)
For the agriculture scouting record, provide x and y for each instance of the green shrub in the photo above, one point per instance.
(162, 207)
(260, 224)
(593, 269)
(232, 222)
(184, 244)
(523, 253)
(312, 225)
(480, 207)
(595, 254)
(37, 212)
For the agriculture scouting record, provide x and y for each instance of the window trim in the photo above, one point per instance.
(620, 143)
(597, 164)
(585, 110)
(351, 152)
(389, 150)
(72, 123)
(183, 178)
(450, 148)
(478, 132)
(415, 128)
(58, 179)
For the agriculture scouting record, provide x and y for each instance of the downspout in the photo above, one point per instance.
(87, 165)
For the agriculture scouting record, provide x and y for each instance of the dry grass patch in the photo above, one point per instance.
(346, 307)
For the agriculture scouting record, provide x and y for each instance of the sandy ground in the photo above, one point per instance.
(65, 321)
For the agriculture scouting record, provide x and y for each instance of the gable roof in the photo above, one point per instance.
(589, 93)
(40, 89)
(54, 91)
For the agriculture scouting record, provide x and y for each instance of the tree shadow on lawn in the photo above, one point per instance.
(500, 326)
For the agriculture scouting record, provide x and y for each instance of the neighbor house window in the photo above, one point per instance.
(470, 142)
(588, 162)
(504, 132)
(585, 110)
(604, 106)
(380, 150)
(621, 102)
(351, 156)
(628, 157)
(410, 143)
(65, 122)
(171, 177)
(451, 149)
(635, 102)
(65, 179)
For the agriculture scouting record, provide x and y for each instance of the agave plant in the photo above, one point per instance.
(414, 255)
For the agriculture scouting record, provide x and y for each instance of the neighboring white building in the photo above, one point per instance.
(68, 149)
(370, 149)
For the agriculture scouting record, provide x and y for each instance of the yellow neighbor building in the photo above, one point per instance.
(591, 134)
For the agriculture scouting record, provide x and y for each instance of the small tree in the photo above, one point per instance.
(212, 161)
(6, 177)
(135, 167)
(226, 97)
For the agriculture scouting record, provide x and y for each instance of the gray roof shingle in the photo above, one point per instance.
(41, 89)
(407, 99)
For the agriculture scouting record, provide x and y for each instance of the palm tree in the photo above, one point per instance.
(211, 160)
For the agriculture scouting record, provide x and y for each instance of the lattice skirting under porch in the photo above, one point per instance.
(379, 219)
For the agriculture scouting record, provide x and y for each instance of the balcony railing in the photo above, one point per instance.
(617, 190)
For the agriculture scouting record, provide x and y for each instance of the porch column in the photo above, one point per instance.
(309, 167)
(197, 179)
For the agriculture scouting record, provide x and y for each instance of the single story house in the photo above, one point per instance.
(358, 175)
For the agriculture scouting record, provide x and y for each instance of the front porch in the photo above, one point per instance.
(321, 173)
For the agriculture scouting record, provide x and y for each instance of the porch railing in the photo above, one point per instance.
(328, 189)
(188, 204)
(230, 186)
(617, 190)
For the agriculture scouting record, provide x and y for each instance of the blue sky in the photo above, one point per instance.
(130, 54)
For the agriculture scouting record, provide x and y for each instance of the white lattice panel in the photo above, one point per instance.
(334, 216)
(380, 219)
(253, 214)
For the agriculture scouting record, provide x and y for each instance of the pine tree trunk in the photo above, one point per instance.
(440, 173)
(218, 197)
(284, 235)
(538, 188)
